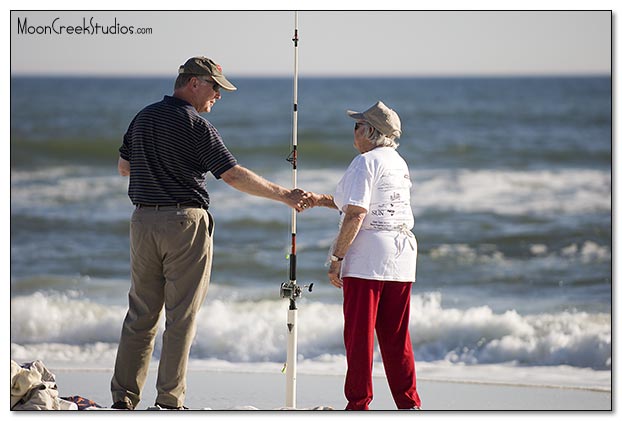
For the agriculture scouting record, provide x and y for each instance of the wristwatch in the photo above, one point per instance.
(334, 258)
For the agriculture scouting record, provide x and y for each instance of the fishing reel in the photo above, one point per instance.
(292, 290)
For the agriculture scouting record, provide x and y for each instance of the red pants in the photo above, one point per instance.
(385, 307)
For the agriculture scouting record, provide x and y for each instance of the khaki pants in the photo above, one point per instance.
(171, 261)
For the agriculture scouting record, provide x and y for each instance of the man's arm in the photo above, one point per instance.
(246, 181)
(123, 167)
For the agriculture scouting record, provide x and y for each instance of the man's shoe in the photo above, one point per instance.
(123, 405)
(169, 407)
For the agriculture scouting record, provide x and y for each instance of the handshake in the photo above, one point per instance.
(302, 200)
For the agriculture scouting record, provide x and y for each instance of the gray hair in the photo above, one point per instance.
(183, 79)
(378, 139)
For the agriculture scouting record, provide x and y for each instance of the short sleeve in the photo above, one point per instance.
(213, 154)
(355, 187)
(125, 151)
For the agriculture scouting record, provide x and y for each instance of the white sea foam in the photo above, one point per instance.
(70, 193)
(586, 252)
(506, 192)
(65, 185)
(63, 328)
(568, 191)
(589, 251)
(464, 253)
(61, 318)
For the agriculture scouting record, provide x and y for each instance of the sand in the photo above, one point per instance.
(221, 390)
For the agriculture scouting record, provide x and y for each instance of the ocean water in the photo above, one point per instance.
(511, 195)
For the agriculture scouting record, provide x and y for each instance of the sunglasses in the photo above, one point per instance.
(215, 86)
(357, 125)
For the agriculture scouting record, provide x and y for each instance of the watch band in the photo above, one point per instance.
(334, 258)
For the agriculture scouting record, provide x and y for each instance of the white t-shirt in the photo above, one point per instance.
(384, 249)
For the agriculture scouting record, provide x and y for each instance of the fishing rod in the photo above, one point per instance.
(290, 289)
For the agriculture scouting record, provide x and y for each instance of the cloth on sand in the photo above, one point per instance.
(33, 387)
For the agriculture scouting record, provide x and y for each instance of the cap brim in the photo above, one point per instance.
(224, 83)
(355, 115)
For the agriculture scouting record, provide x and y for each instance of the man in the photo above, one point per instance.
(167, 151)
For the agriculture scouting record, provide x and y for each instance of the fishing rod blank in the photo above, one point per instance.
(290, 289)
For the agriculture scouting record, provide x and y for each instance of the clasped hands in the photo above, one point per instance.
(302, 200)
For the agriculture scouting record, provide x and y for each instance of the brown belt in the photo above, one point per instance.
(175, 206)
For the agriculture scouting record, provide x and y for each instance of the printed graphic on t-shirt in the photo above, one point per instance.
(390, 206)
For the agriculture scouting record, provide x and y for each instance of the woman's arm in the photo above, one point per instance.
(350, 227)
(312, 200)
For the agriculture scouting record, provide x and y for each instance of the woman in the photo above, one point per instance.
(374, 259)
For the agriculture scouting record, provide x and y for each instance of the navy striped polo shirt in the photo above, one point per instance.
(171, 148)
